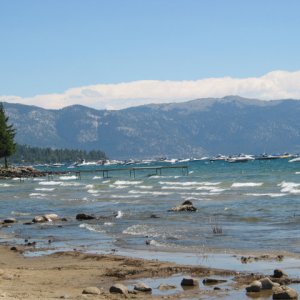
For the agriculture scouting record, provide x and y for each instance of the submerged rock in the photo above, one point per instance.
(278, 273)
(185, 206)
(83, 216)
(212, 281)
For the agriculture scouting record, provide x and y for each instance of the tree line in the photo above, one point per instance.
(26, 154)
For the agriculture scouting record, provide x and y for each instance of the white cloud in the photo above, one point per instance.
(273, 85)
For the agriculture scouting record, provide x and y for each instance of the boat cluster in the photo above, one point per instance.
(227, 158)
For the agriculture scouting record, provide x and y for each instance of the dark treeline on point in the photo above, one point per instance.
(26, 154)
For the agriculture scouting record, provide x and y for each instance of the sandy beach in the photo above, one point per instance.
(66, 274)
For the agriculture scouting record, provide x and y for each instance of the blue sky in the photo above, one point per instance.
(49, 46)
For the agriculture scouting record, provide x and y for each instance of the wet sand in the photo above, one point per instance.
(64, 275)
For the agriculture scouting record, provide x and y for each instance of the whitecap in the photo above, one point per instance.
(246, 184)
(89, 186)
(50, 183)
(122, 182)
(175, 188)
(37, 195)
(45, 189)
(5, 184)
(145, 187)
(149, 193)
(289, 187)
(272, 195)
(92, 191)
(68, 177)
(108, 224)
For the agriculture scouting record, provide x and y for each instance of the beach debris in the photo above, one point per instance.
(254, 287)
(119, 288)
(213, 281)
(47, 218)
(91, 290)
(189, 281)
(284, 292)
(185, 206)
(142, 287)
(83, 216)
(166, 287)
(13, 248)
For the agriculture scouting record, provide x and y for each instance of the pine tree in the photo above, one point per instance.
(7, 134)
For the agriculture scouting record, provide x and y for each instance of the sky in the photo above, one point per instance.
(113, 54)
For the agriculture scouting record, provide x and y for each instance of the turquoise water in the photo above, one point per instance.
(255, 206)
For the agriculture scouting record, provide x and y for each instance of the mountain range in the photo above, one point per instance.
(228, 125)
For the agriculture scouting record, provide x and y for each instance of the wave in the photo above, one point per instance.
(246, 184)
(71, 177)
(272, 195)
(142, 229)
(37, 195)
(289, 187)
(189, 183)
(157, 193)
(90, 227)
(5, 184)
(45, 189)
(19, 213)
(50, 183)
(123, 182)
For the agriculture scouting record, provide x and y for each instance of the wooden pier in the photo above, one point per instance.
(132, 171)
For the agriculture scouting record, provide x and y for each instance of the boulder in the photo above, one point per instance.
(118, 288)
(185, 206)
(91, 290)
(142, 287)
(279, 273)
(267, 283)
(284, 292)
(82, 216)
(254, 287)
(189, 282)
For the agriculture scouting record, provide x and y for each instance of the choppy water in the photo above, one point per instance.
(255, 205)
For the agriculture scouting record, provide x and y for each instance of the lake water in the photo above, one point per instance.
(254, 205)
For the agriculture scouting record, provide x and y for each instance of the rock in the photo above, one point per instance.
(47, 218)
(166, 287)
(119, 289)
(284, 292)
(9, 220)
(185, 206)
(189, 282)
(13, 248)
(279, 273)
(81, 217)
(52, 217)
(254, 287)
(142, 287)
(267, 283)
(212, 281)
(92, 290)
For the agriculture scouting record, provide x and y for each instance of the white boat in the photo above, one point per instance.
(240, 158)
(297, 159)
